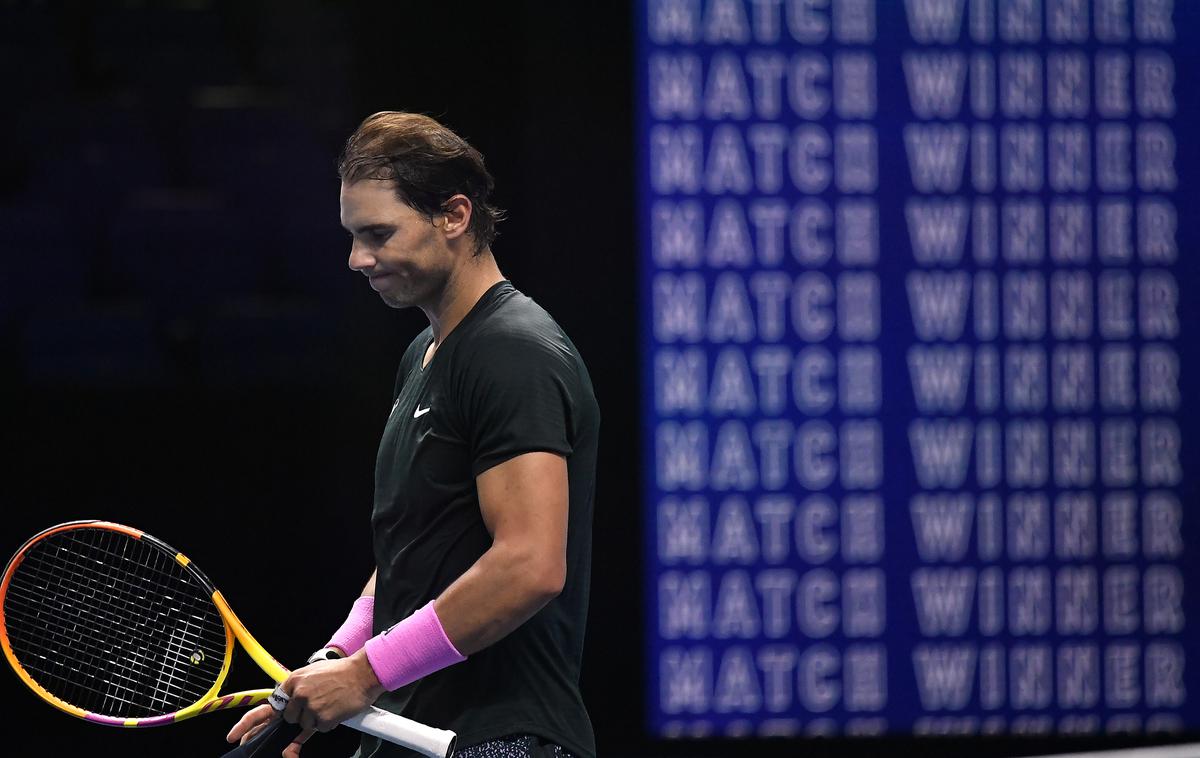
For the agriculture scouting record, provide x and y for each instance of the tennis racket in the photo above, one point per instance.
(111, 625)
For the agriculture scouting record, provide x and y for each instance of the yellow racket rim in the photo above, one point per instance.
(209, 702)
(6, 644)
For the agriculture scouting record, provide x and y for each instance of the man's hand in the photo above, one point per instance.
(326, 693)
(257, 719)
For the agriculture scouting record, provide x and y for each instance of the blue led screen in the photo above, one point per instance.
(916, 347)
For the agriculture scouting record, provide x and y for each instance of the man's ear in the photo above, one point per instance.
(456, 215)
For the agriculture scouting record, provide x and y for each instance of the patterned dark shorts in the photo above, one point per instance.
(515, 746)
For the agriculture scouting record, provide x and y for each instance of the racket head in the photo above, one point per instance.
(112, 625)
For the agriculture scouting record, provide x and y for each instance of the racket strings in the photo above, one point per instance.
(138, 665)
(113, 625)
(87, 616)
(135, 667)
(83, 617)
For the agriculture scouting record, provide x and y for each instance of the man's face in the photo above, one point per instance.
(405, 256)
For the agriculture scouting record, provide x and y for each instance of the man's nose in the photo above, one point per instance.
(359, 258)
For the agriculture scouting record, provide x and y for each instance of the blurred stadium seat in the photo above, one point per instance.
(93, 345)
(180, 250)
(42, 257)
(256, 342)
(184, 43)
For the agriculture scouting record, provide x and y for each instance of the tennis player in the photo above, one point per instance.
(474, 618)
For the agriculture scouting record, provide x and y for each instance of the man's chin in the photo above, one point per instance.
(395, 301)
(403, 292)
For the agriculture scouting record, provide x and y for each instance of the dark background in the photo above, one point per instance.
(183, 349)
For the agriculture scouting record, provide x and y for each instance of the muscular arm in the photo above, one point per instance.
(524, 506)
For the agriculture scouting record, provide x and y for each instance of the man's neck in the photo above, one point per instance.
(463, 290)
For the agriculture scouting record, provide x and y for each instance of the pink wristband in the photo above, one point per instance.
(356, 629)
(416, 647)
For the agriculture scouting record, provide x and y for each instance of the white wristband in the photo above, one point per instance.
(325, 654)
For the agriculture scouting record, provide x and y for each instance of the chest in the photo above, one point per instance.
(422, 455)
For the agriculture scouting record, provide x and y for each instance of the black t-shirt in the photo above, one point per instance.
(505, 381)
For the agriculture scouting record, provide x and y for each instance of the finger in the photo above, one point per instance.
(289, 684)
(292, 712)
(266, 723)
(292, 709)
(293, 750)
(253, 733)
(308, 721)
(249, 720)
(326, 726)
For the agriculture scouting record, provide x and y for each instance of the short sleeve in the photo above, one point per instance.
(517, 398)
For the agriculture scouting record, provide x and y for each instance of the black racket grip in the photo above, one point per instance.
(268, 743)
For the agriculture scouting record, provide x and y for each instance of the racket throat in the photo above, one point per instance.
(257, 652)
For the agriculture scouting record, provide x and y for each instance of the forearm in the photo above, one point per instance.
(523, 502)
(501, 591)
(357, 627)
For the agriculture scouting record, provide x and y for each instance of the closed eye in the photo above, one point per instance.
(372, 236)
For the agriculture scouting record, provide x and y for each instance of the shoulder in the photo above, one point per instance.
(515, 343)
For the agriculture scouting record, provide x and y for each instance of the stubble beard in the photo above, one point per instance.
(420, 291)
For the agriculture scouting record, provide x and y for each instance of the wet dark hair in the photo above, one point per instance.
(427, 163)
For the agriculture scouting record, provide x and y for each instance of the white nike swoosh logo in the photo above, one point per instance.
(419, 412)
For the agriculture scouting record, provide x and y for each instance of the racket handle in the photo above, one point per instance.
(426, 740)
